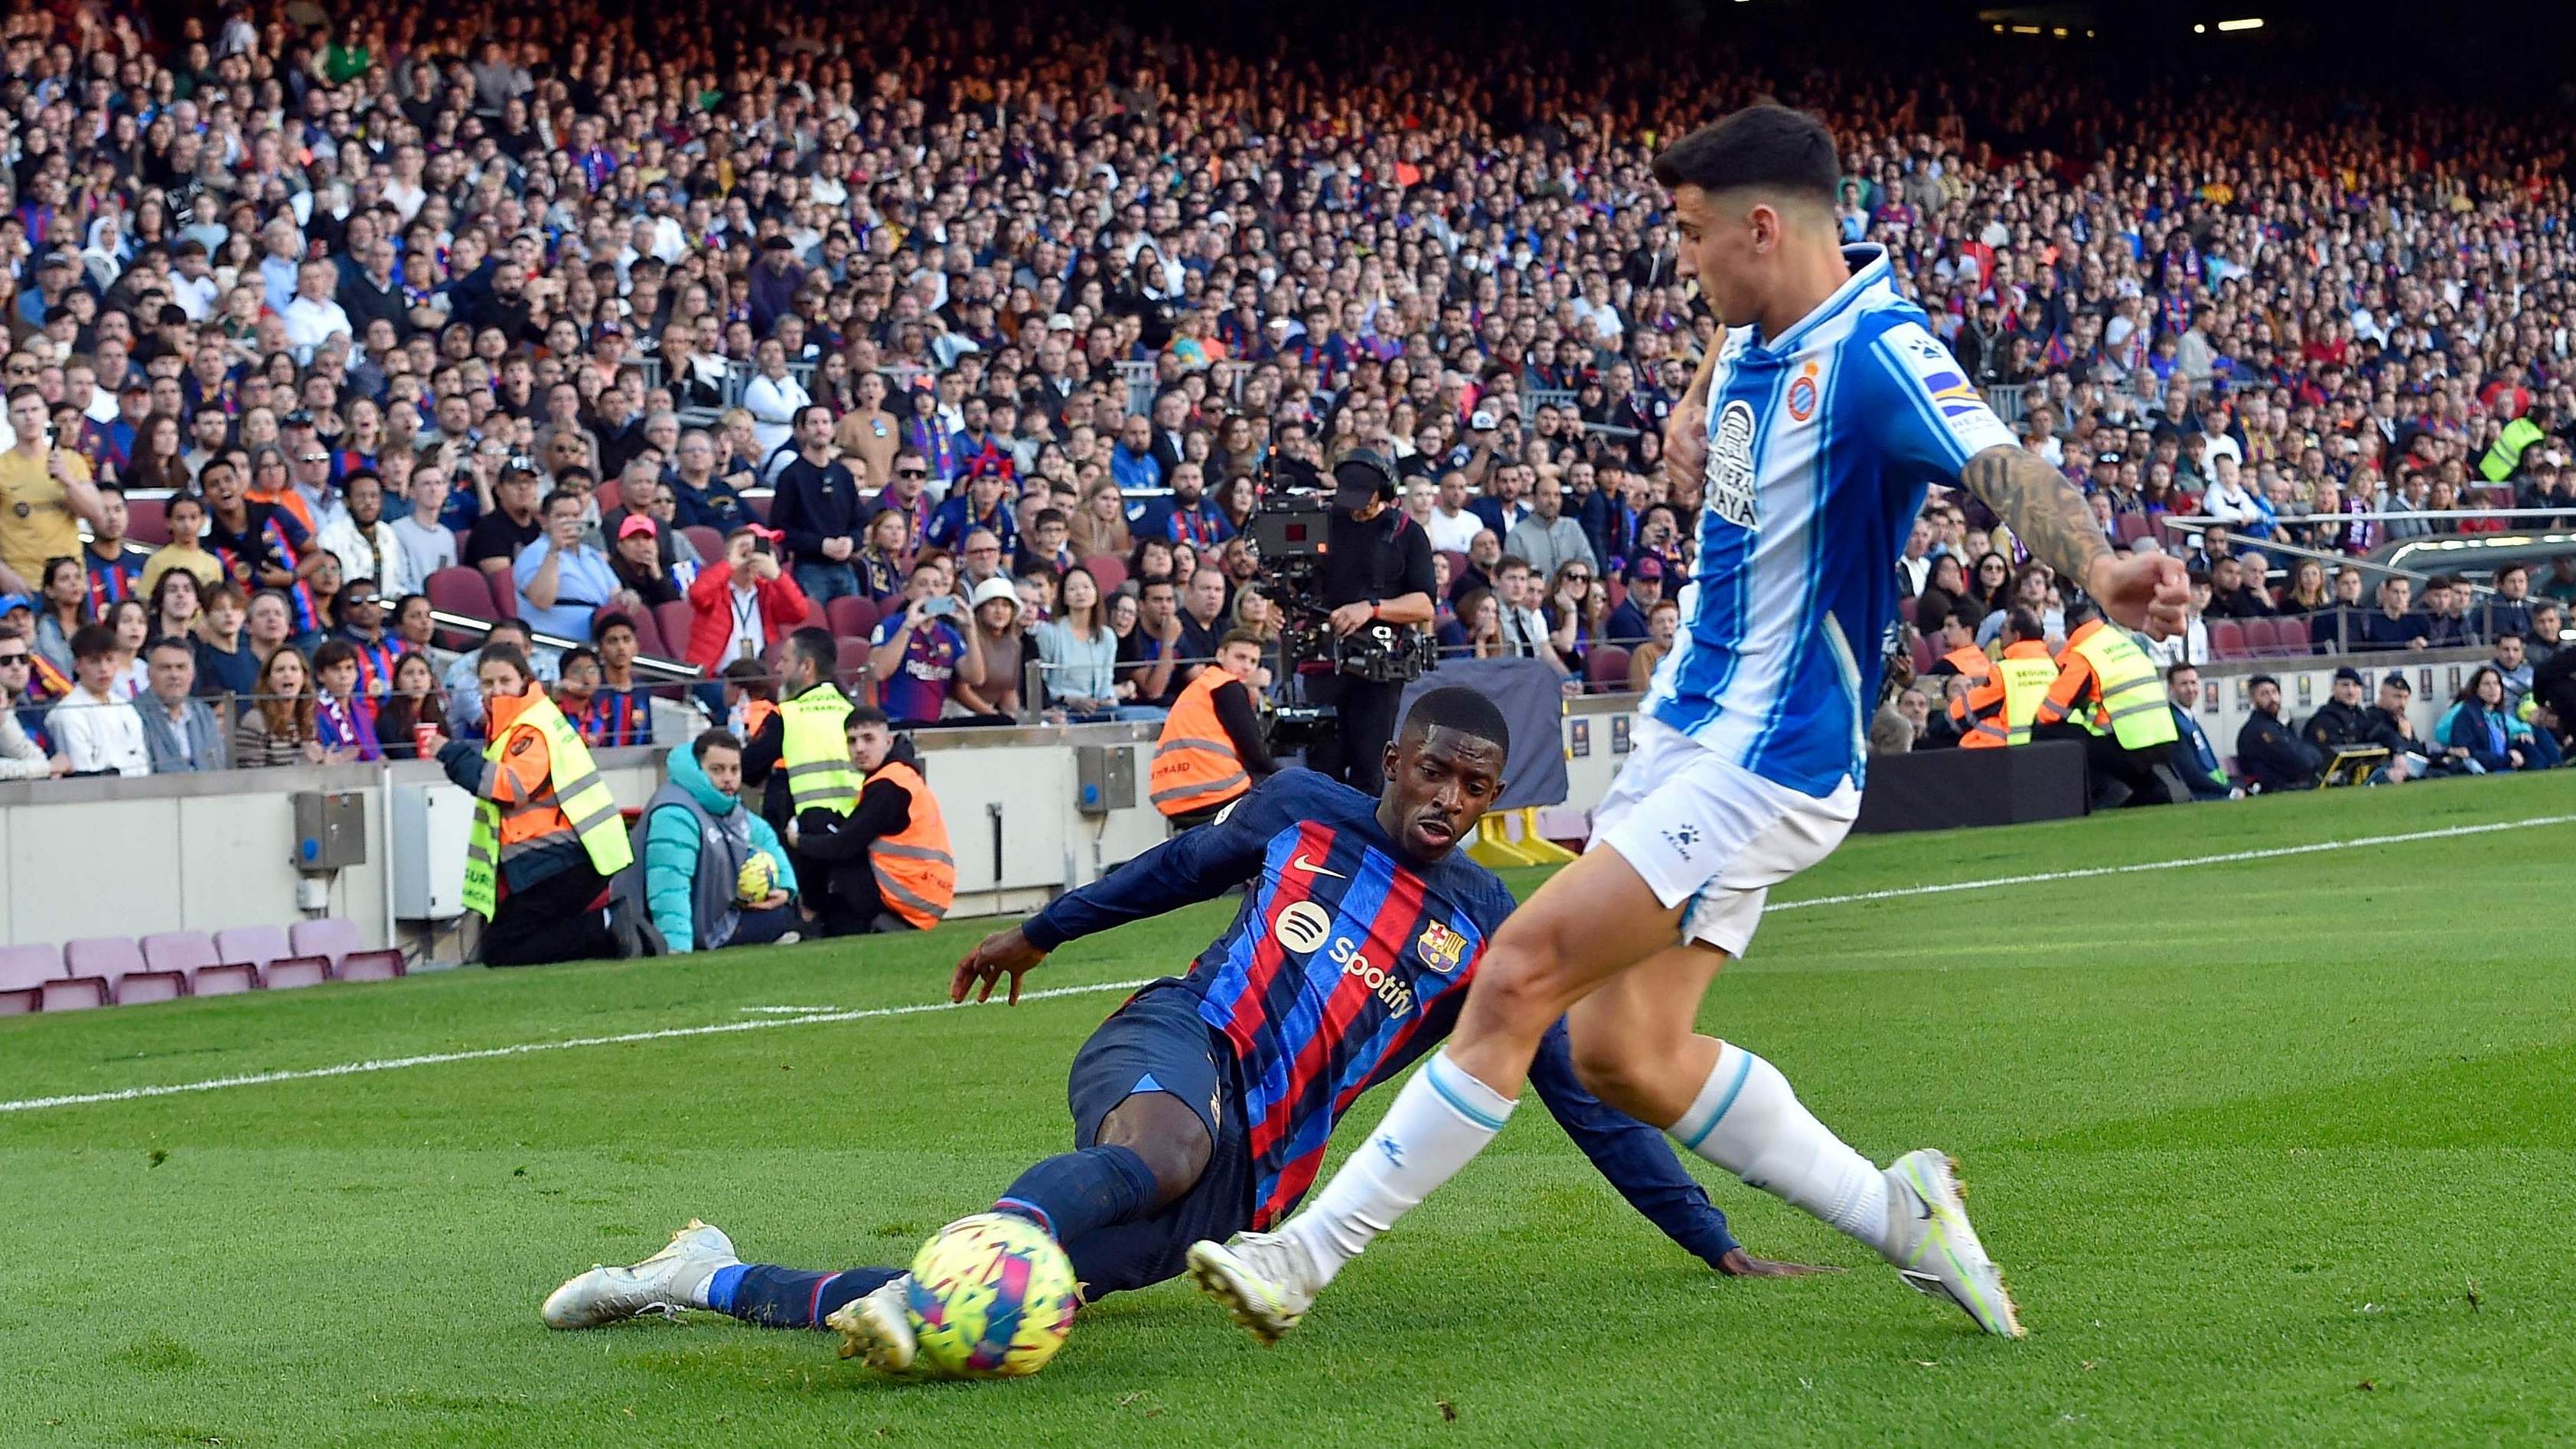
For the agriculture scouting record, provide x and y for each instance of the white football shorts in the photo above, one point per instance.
(1705, 830)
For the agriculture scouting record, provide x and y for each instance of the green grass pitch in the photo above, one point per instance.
(2275, 1151)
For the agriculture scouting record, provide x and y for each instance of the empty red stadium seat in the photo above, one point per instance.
(1109, 570)
(224, 978)
(850, 660)
(710, 544)
(74, 993)
(674, 619)
(2130, 527)
(1904, 607)
(459, 591)
(24, 970)
(147, 520)
(850, 614)
(253, 946)
(371, 966)
(331, 938)
(288, 972)
(504, 591)
(1457, 565)
(2226, 640)
(190, 955)
(1925, 656)
(2294, 635)
(609, 494)
(1607, 668)
(112, 961)
(2262, 638)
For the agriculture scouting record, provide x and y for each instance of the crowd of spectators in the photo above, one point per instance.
(974, 340)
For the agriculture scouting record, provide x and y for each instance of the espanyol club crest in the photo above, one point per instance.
(1440, 948)
(1729, 475)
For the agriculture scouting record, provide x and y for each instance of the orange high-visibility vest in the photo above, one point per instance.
(1980, 713)
(916, 876)
(1195, 766)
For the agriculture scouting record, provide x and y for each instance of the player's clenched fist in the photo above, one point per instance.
(1002, 951)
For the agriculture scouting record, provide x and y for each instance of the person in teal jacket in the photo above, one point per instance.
(2480, 736)
(692, 843)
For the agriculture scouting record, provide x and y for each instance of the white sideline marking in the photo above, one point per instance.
(786, 1010)
(2228, 858)
(821, 1016)
(432, 1059)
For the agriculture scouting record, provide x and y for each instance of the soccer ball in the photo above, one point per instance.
(759, 877)
(992, 1296)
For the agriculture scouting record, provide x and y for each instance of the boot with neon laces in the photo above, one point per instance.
(667, 1282)
(1933, 1246)
(876, 1327)
(1266, 1282)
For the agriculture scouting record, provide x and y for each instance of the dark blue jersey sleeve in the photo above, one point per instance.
(1197, 865)
(1635, 1157)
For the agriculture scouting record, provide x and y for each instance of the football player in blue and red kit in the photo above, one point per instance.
(1202, 1106)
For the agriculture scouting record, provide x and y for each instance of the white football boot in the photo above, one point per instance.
(877, 1328)
(664, 1283)
(1933, 1247)
(1265, 1281)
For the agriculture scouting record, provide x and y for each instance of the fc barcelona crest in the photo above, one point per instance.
(1441, 948)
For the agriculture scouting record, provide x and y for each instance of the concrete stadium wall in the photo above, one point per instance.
(203, 852)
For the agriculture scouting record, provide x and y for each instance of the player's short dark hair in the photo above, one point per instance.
(1766, 146)
(1458, 708)
(2024, 620)
(714, 740)
(816, 647)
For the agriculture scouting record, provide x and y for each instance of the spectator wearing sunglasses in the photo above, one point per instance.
(21, 758)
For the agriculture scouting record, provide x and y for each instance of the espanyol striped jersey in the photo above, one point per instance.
(1820, 445)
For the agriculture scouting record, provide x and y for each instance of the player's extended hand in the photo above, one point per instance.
(1740, 1264)
(2147, 591)
(1002, 951)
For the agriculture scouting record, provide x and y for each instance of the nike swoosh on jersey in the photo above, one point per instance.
(1300, 862)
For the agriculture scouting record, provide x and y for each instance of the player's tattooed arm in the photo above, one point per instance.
(2047, 514)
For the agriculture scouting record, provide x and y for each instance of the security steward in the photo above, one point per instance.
(2109, 697)
(547, 835)
(2004, 695)
(799, 757)
(1376, 570)
(884, 861)
(1211, 751)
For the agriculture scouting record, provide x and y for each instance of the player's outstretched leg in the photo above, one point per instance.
(670, 1280)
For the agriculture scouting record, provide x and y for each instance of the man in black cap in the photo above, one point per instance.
(1377, 571)
(2391, 726)
(2341, 723)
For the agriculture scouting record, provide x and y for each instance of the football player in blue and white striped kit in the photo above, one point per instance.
(1816, 425)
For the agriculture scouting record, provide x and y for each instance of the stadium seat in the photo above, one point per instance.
(372, 966)
(1618, 588)
(2130, 527)
(1457, 564)
(674, 619)
(288, 972)
(2294, 635)
(193, 954)
(1109, 570)
(850, 660)
(609, 495)
(2262, 638)
(848, 615)
(148, 986)
(147, 520)
(75, 993)
(252, 946)
(1904, 607)
(1925, 656)
(111, 961)
(459, 591)
(224, 978)
(2226, 640)
(1607, 668)
(24, 970)
(331, 938)
(710, 544)
(504, 592)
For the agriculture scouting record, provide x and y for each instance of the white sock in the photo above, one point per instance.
(1441, 1118)
(1747, 1120)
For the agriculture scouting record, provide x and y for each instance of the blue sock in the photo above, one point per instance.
(775, 1297)
(1082, 1192)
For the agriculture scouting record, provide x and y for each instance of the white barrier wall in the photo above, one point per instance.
(126, 857)
(202, 852)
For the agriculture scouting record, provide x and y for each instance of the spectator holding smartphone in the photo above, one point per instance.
(921, 653)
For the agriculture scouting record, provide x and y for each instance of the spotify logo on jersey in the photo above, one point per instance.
(1303, 926)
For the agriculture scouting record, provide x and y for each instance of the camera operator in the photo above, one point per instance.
(1376, 571)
